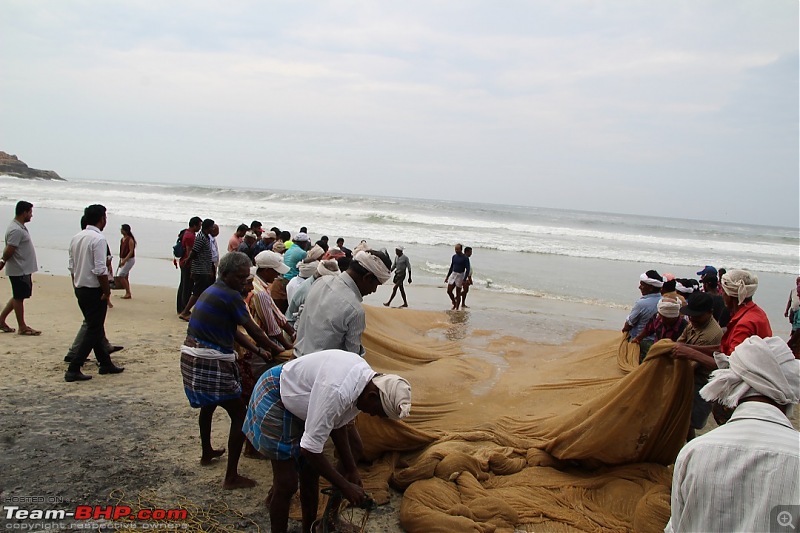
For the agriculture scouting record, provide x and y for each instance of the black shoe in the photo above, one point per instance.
(75, 376)
(111, 369)
(115, 349)
(67, 358)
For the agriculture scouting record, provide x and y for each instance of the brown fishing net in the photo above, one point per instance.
(506, 435)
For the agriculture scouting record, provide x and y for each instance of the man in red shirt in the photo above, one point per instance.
(187, 242)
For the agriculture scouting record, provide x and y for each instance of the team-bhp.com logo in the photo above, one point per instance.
(108, 517)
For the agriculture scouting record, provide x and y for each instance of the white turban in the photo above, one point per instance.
(307, 270)
(374, 264)
(739, 284)
(328, 267)
(757, 366)
(669, 307)
(683, 289)
(395, 395)
(315, 253)
(650, 281)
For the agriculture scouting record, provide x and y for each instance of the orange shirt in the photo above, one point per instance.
(748, 320)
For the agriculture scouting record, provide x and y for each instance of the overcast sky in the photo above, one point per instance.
(673, 108)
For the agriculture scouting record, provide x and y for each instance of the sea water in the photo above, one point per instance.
(581, 257)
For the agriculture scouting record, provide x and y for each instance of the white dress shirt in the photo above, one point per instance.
(87, 257)
(322, 388)
(730, 478)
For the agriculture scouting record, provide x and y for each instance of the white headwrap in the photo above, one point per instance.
(683, 289)
(757, 366)
(669, 307)
(395, 395)
(374, 264)
(315, 253)
(306, 270)
(650, 281)
(739, 284)
(328, 267)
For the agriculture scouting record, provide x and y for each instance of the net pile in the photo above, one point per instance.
(517, 436)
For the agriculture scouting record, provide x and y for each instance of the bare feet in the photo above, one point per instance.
(126, 297)
(404, 305)
(238, 482)
(185, 318)
(386, 304)
(465, 306)
(206, 459)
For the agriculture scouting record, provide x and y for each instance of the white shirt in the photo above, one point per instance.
(214, 250)
(730, 478)
(292, 287)
(332, 318)
(322, 388)
(87, 257)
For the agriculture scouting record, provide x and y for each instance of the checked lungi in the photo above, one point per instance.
(269, 426)
(209, 381)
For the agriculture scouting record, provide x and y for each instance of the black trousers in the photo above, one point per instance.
(185, 288)
(94, 310)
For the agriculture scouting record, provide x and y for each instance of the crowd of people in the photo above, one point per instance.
(746, 378)
(274, 337)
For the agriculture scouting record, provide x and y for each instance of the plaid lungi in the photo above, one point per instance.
(209, 381)
(269, 426)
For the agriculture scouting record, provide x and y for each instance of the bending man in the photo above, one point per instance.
(295, 408)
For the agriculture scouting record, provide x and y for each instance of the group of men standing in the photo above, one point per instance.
(743, 375)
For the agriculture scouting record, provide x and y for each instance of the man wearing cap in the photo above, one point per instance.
(703, 330)
(732, 478)
(294, 255)
(646, 307)
(707, 271)
(295, 407)
(248, 246)
(19, 257)
(400, 266)
(265, 242)
(269, 266)
(333, 317)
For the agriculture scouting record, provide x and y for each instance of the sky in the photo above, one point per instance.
(678, 108)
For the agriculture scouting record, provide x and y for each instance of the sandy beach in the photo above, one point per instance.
(132, 438)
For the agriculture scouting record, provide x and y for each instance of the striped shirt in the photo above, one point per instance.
(730, 478)
(215, 316)
(333, 318)
(202, 263)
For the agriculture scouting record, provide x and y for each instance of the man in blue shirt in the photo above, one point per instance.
(646, 307)
(459, 266)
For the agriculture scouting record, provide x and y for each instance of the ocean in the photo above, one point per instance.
(589, 258)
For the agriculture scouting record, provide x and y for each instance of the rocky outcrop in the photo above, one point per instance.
(10, 165)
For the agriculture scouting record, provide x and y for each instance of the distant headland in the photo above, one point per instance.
(10, 165)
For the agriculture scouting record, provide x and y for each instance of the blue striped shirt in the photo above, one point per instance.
(215, 316)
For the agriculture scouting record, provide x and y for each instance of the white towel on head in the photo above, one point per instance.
(328, 267)
(374, 264)
(739, 284)
(757, 366)
(669, 307)
(395, 395)
(650, 281)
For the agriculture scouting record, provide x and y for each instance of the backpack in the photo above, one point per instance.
(178, 250)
